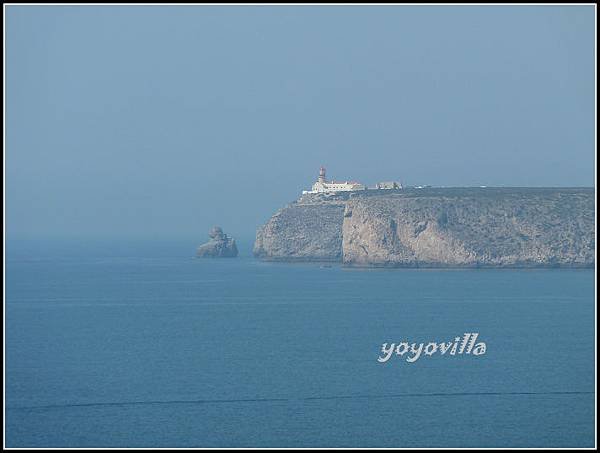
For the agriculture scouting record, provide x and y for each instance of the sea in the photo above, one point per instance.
(115, 343)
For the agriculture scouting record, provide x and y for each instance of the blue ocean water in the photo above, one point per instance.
(141, 345)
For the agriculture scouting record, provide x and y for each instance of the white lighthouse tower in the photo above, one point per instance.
(322, 175)
(322, 185)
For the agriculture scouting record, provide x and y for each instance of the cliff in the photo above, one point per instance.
(308, 230)
(449, 227)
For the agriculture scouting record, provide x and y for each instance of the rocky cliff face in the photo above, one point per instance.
(453, 227)
(485, 227)
(303, 231)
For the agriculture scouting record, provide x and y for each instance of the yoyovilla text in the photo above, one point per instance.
(413, 351)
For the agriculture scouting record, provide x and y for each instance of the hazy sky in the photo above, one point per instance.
(162, 121)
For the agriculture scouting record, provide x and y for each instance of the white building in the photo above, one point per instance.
(388, 185)
(322, 185)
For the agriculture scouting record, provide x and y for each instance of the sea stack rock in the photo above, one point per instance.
(219, 245)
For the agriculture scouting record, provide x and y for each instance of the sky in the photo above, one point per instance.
(159, 122)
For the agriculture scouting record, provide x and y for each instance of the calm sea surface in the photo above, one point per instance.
(140, 344)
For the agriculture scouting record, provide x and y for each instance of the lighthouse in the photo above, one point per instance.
(322, 175)
(332, 186)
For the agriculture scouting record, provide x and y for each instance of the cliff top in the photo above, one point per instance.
(440, 191)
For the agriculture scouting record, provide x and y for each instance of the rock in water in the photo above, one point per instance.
(219, 246)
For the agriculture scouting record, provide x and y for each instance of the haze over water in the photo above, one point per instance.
(159, 122)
